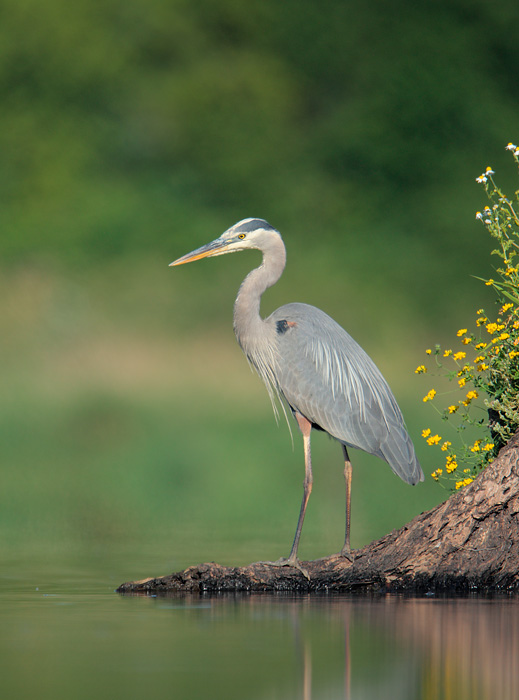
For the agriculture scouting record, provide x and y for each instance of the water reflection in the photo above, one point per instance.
(392, 647)
(254, 647)
(467, 648)
(445, 648)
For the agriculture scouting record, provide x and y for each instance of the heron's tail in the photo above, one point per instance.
(398, 451)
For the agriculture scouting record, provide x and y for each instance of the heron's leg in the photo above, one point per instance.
(346, 550)
(292, 560)
(306, 428)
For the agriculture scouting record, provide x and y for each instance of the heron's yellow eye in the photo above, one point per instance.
(241, 235)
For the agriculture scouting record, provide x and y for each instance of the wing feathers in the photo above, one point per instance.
(325, 374)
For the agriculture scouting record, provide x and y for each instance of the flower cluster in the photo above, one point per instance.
(485, 369)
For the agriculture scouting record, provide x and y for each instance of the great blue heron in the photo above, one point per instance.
(307, 359)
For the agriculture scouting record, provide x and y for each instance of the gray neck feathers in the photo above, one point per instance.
(250, 328)
(256, 337)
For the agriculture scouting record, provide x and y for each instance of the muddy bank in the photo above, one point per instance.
(469, 543)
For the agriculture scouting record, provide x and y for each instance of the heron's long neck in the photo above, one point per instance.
(248, 324)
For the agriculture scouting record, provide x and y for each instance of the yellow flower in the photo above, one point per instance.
(512, 354)
(472, 395)
(476, 446)
(428, 351)
(466, 341)
(437, 474)
(430, 395)
(462, 382)
(465, 482)
(426, 432)
(479, 346)
(480, 311)
(491, 328)
(459, 356)
(447, 353)
(489, 446)
(433, 440)
(450, 464)
(453, 409)
(461, 332)
(488, 283)
(504, 336)
(505, 308)
(446, 446)
(421, 369)
(483, 367)
(465, 373)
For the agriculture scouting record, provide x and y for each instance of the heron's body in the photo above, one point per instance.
(307, 359)
(333, 383)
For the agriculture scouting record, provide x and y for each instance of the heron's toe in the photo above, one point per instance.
(294, 563)
(348, 554)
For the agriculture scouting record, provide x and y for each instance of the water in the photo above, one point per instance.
(67, 634)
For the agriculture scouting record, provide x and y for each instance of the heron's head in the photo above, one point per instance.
(246, 234)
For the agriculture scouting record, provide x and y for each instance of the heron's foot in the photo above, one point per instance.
(293, 562)
(347, 553)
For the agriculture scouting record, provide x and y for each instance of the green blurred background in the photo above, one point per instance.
(131, 133)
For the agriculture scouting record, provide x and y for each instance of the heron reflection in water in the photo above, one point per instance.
(307, 359)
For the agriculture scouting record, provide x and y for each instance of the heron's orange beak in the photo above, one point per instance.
(216, 247)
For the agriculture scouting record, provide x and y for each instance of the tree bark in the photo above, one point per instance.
(468, 543)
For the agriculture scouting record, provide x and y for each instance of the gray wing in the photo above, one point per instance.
(326, 376)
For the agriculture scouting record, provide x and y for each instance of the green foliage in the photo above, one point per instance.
(124, 125)
(493, 367)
